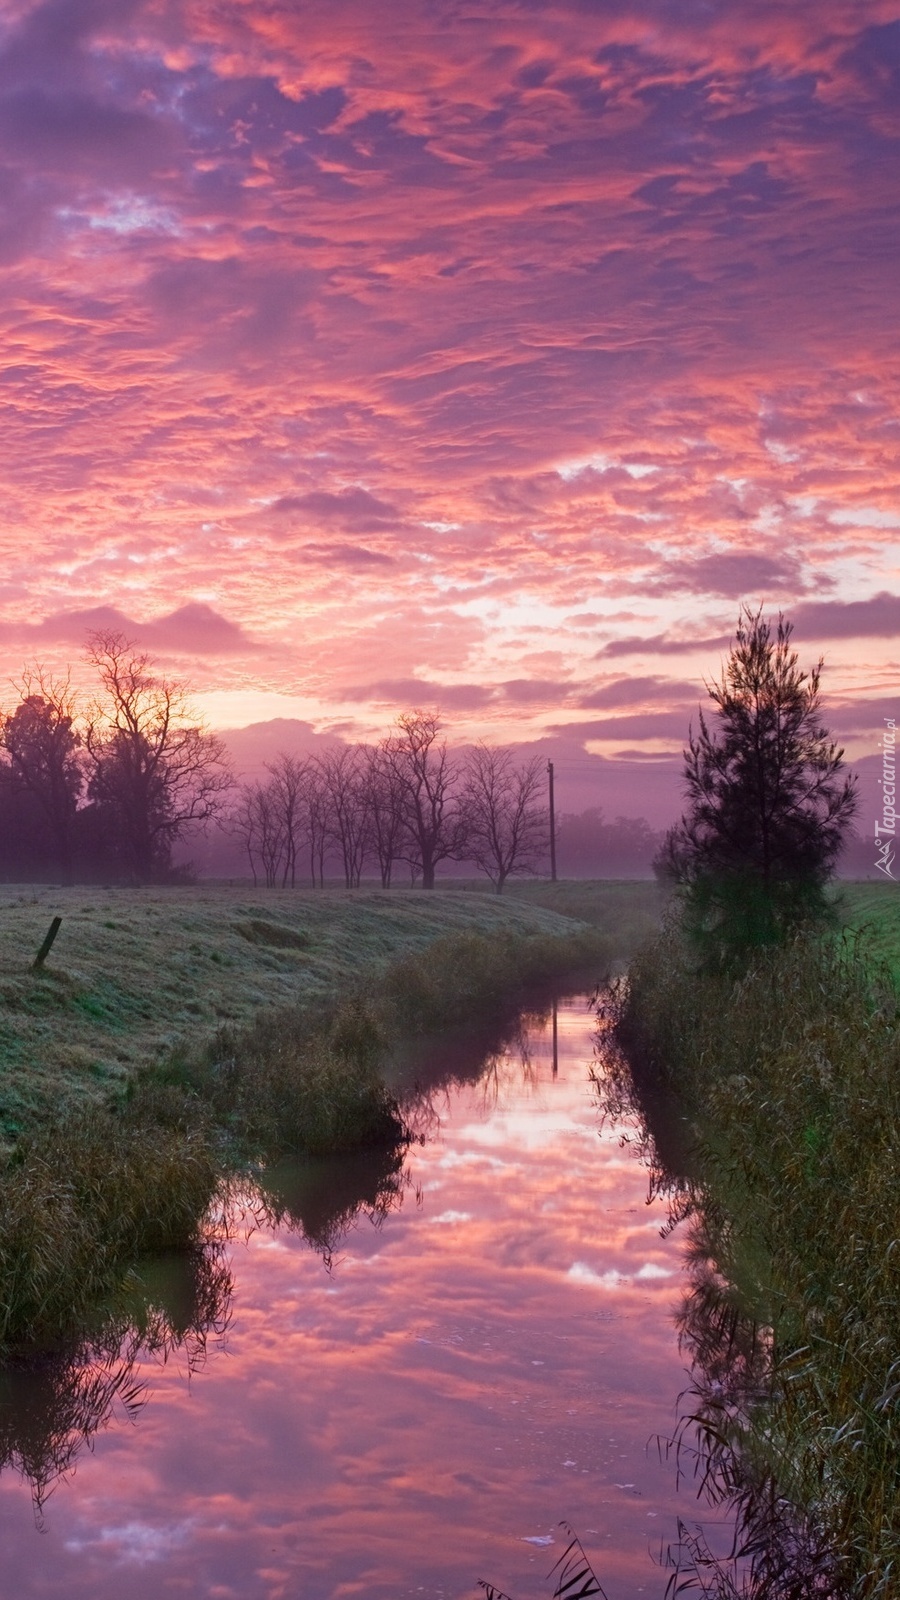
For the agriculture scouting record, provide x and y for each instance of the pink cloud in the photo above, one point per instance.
(193, 629)
(405, 344)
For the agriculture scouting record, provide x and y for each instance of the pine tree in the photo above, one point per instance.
(769, 804)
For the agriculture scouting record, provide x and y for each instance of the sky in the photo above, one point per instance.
(484, 356)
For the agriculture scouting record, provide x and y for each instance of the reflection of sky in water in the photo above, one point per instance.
(491, 1359)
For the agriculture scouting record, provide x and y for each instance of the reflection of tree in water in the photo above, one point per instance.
(497, 1061)
(727, 1438)
(53, 1403)
(324, 1199)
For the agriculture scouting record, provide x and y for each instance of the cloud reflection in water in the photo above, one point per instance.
(471, 1369)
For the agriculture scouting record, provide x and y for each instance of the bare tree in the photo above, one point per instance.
(317, 833)
(508, 828)
(434, 823)
(43, 748)
(385, 792)
(155, 767)
(344, 780)
(258, 822)
(288, 793)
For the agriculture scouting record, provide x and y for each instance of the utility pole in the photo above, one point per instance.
(552, 825)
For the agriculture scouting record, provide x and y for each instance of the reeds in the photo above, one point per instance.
(575, 1577)
(792, 1077)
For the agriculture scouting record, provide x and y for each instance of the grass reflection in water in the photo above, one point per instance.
(739, 1379)
(53, 1402)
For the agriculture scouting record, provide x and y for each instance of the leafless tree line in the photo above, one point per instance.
(107, 786)
(402, 802)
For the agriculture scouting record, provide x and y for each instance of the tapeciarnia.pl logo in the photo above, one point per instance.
(885, 830)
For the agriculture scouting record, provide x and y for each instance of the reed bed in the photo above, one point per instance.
(791, 1076)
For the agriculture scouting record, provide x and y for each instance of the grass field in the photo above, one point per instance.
(136, 974)
(874, 909)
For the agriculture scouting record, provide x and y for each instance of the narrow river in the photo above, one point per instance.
(401, 1411)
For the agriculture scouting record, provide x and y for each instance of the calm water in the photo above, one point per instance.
(489, 1356)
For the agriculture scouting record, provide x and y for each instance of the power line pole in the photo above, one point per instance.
(552, 825)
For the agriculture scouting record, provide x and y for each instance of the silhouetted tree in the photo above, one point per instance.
(434, 824)
(344, 780)
(155, 768)
(768, 807)
(507, 825)
(385, 792)
(256, 820)
(317, 822)
(43, 750)
(288, 795)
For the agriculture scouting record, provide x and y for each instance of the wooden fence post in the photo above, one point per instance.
(44, 951)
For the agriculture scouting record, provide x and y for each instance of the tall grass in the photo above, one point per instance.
(791, 1075)
(78, 1202)
(54, 1403)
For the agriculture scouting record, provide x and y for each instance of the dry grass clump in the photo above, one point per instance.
(279, 1086)
(792, 1075)
(462, 977)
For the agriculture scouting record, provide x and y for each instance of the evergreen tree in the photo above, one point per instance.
(768, 801)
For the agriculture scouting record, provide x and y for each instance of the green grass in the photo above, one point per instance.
(136, 975)
(791, 1076)
(629, 909)
(312, 1078)
(873, 909)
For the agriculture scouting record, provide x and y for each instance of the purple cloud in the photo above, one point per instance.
(194, 629)
(637, 691)
(876, 618)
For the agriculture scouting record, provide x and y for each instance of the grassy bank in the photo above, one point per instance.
(873, 909)
(104, 1179)
(791, 1078)
(136, 974)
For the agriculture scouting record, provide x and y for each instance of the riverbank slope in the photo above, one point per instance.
(138, 974)
(790, 1080)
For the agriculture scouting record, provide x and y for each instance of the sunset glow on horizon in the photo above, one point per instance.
(485, 357)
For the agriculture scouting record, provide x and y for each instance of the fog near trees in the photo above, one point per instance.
(396, 810)
(125, 784)
(105, 788)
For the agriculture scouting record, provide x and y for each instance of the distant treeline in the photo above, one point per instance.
(403, 806)
(107, 789)
(115, 787)
(118, 787)
(587, 845)
(590, 847)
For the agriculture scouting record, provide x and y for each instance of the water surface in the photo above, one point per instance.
(419, 1408)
